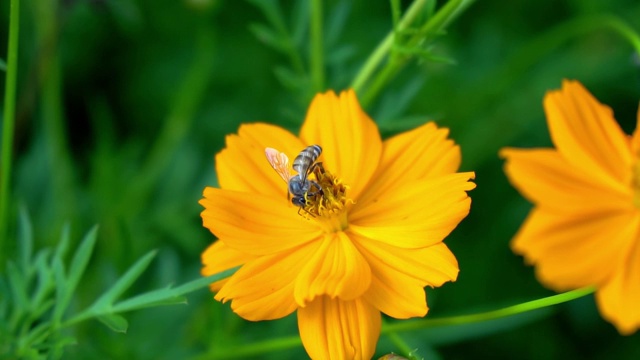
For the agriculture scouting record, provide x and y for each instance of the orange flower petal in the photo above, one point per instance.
(349, 138)
(400, 275)
(337, 269)
(593, 243)
(586, 134)
(255, 223)
(547, 179)
(263, 288)
(218, 257)
(422, 153)
(336, 329)
(243, 166)
(417, 214)
(618, 299)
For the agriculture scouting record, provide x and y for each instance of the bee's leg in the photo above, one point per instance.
(317, 186)
(305, 210)
(317, 169)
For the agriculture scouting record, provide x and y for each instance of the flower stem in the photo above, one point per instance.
(384, 47)
(251, 350)
(433, 26)
(8, 123)
(282, 343)
(623, 29)
(317, 51)
(401, 345)
(489, 315)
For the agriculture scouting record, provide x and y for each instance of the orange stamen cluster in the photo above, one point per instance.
(331, 200)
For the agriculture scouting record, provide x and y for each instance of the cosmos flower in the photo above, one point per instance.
(585, 225)
(366, 239)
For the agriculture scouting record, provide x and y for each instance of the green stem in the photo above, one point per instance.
(433, 26)
(623, 29)
(253, 350)
(489, 315)
(382, 78)
(8, 123)
(317, 51)
(401, 346)
(384, 47)
(282, 343)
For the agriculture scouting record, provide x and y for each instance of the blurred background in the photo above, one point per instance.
(122, 105)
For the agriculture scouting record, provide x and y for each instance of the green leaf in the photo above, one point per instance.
(57, 345)
(3, 65)
(76, 270)
(134, 272)
(25, 240)
(170, 296)
(17, 284)
(115, 322)
(160, 297)
(269, 37)
(63, 244)
(300, 23)
(38, 334)
(288, 78)
(44, 278)
(271, 10)
(336, 22)
(60, 284)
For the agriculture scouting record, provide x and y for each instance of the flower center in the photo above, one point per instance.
(328, 206)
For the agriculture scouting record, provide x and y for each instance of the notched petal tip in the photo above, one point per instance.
(586, 133)
(350, 139)
(336, 329)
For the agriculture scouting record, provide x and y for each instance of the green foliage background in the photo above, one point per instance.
(123, 104)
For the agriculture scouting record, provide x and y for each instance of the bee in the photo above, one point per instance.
(299, 186)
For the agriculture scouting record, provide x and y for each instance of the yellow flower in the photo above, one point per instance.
(368, 244)
(584, 229)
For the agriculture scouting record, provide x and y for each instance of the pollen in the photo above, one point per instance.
(329, 204)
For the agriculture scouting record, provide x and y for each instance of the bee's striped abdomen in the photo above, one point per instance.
(305, 159)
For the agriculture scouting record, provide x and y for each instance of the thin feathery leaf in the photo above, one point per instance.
(25, 240)
(63, 243)
(108, 298)
(269, 37)
(168, 295)
(45, 278)
(115, 322)
(76, 270)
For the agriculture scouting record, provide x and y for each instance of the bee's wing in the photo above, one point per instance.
(279, 162)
